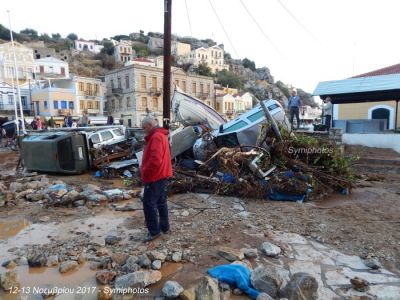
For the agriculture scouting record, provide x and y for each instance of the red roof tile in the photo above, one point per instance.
(394, 69)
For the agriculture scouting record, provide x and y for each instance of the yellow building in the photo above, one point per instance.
(59, 97)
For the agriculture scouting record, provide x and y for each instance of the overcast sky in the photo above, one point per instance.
(302, 42)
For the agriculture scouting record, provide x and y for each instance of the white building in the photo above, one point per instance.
(177, 48)
(50, 67)
(225, 104)
(212, 56)
(82, 45)
(123, 51)
(7, 99)
(243, 102)
(24, 58)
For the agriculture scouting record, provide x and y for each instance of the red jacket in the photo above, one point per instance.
(156, 161)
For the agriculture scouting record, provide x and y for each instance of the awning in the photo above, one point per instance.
(363, 89)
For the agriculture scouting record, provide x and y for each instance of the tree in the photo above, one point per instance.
(45, 37)
(56, 36)
(202, 69)
(141, 50)
(72, 36)
(247, 63)
(108, 47)
(30, 32)
(227, 78)
(121, 37)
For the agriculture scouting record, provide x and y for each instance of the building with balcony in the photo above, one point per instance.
(212, 56)
(50, 67)
(243, 102)
(136, 91)
(8, 98)
(24, 59)
(123, 51)
(225, 105)
(60, 97)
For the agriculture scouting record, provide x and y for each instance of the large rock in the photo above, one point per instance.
(270, 249)
(131, 265)
(37, 260)
(112, 239)
(16, 187)
(172, 289)
(52, 261)
(9, 280)
(372, 263)
(188, 294)
(157, 255)
(69, 197)
(176, 256)
(230, 254)
(137, 279)
(144, 261)
(105, 277)
(302, 286)
(67, 266)
(250, 253)
(120, 258)
(156, 265)
(267, 279)
(207, 289)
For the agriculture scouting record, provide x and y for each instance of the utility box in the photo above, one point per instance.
(56, 152)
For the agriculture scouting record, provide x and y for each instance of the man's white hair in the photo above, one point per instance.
(149, 121)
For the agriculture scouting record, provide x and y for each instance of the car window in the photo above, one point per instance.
(106, 135)
(95, 138)
(118, 132)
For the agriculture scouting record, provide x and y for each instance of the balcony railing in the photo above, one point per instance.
(155, 91)
(64, 111)
(116, 90)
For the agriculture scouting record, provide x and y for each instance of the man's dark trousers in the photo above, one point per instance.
(328, 121)
(155, 206)
(294, 111)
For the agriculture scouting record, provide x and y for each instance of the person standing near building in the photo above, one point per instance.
(294, 105)
(110, 119)
(327, 111)
(84, 120)
(39, 123)
(156, 168)
(70, 120)
(51, 123)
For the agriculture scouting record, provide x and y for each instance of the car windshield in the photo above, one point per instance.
(118, 132)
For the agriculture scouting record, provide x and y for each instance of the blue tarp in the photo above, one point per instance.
(236, 276)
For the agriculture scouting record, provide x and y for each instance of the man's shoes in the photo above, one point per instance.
(149, 237)
(166, 232)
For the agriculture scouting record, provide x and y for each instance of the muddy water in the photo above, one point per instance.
(9, 228)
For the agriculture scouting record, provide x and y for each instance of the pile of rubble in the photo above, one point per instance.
(39, 189)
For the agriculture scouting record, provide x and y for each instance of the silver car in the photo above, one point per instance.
(108, 136)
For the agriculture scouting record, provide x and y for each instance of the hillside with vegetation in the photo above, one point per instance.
(243, 74)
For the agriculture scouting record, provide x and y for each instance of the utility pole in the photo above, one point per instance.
(16, 76)
(167, 64)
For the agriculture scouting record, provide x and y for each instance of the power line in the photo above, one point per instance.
(297, 20)
(260, 28)
(223, 28)
(190, 25)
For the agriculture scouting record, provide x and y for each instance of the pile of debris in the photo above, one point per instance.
(292, 167)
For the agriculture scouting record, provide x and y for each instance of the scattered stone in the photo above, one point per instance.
(81, 259)
(250, 253)
(52, 261)
(9, 264)
(359, 284)
(44, 219)
(185, 213)
(270, 249)
(23, 261)
(16, 187)
(157, 255)
(138, 279)
(37, 261)
(119, 258)
(131, 265)
(144, 261)
(301, 286)
(156, 265)
(265, 296)
(372, 263)
(102, 252)
(172, 289)
(112, 239)
(9, 280)
(224, 286)
(230, 254)
(207, 289)
(265, 279)
(105, 277)
(67, 266)
(177, 256)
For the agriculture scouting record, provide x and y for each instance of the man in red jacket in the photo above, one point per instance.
(156, 168)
